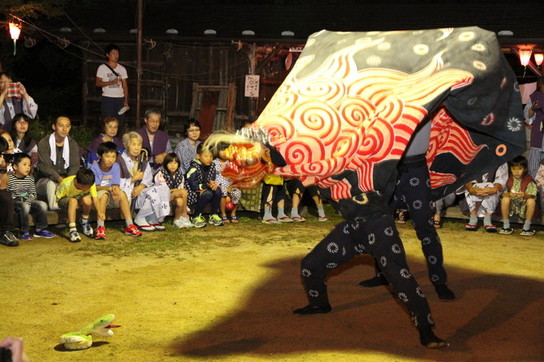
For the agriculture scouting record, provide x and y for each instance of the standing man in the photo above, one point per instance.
(112, 77)
(154, 140)
(14, 100)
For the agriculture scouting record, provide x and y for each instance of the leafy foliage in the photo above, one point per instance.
(32, 9)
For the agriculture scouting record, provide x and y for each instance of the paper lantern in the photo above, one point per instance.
(525, 56)
(538, 58)
(14, 32)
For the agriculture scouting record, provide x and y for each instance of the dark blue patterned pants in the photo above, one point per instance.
(378, 237)
(414, 189)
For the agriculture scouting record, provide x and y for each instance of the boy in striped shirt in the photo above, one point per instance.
(22, 186)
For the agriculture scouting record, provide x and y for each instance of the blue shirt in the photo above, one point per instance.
(106, 178)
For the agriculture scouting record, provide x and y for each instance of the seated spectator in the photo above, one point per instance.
(296, 189)
(152, 202)
(107, 180)
(539, 180)
(440, 207)
(7, 136)
(170, 175)
(229, 193)
(203, 188)
(14, 101)
(11, 147)
(274, 194)
(23, 191)
(7, 212)
(22, 139)
(155, 141)
(110, 128)
(518, 197)
(482, 197)
(79, 191)
(186, 149)
(58, 157)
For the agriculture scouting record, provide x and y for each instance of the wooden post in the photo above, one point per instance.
(231, 105)
(84, 90)
(139, 62)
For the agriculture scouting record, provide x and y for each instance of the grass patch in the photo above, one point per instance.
(185, 243)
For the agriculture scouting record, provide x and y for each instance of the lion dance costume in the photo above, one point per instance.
(343, 118)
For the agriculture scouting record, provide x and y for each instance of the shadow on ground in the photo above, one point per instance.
(496, 317)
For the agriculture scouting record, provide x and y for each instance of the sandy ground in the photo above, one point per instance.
(233, 301)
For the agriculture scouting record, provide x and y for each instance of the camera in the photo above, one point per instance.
(8, 157)
(14, 90)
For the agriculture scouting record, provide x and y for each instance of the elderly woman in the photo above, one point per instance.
(153, 202)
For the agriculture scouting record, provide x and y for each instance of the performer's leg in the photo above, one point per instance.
(386, 246)
(377, 280)
(334, 250)
(379, 237)
(415, 190)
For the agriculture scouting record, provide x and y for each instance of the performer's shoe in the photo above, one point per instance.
(444, 293)
(374, 282)
(430, 340)
(312, 309)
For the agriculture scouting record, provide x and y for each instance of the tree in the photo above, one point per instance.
(32, 9)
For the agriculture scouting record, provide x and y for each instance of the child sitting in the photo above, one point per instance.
(518, 197)
(482, 197)
(203, 188)
(79, 190)
(170, 174)
(23, 191)
(229, 193)
(107, 179)
(296, 190)
(274, 193)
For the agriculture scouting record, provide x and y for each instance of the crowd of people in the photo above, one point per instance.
(147, 178)
(140, 173)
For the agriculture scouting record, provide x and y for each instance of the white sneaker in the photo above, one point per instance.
(183, 222)
(74, 236)
(87, 229)
(187, 222)
(179, 224)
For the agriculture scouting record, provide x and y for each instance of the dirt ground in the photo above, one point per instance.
(230, 299)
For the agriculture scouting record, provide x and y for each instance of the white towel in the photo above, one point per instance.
(65, 150)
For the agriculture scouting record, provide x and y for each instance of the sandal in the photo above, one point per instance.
(225, 219)
(234, 219)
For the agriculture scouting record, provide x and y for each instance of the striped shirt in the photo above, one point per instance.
(23, 189)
